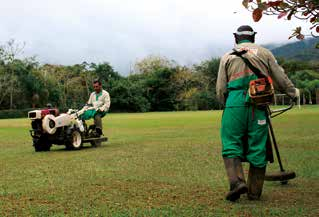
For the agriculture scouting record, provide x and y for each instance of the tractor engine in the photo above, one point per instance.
(37, 115)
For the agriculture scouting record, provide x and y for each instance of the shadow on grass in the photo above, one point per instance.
(64, 149)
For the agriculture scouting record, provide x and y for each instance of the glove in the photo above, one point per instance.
(101, 109)
(85, 107)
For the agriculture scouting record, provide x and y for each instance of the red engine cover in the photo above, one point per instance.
(45, 112)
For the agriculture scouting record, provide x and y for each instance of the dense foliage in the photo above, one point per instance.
(303, 50)
(156, 84)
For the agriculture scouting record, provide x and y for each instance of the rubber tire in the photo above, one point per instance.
(280, 176)
(72, 144)
(95, 144)
(39, 145)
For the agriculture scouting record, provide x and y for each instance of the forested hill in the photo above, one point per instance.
(302, 50)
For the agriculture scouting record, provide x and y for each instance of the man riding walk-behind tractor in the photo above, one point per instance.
(245, 86)
(69, 129)
(100, 100)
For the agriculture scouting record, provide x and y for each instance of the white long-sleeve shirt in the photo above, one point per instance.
(100, 100)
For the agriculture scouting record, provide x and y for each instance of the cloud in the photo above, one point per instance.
(122, 31)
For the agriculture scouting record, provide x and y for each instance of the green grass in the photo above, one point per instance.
(155, 164)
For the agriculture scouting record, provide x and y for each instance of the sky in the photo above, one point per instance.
(122, 32)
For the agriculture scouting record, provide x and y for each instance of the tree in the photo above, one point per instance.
(105, 72)
(161, 92)
(9, 80)
(207, 72)
(300, 9)
(152, 63)
(307, 81)
(129, 95)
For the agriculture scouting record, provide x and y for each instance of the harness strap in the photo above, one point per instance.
(255, 70)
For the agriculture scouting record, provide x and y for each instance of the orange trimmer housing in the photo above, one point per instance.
(261, 91)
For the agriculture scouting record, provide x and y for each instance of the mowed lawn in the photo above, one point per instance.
(155, 164)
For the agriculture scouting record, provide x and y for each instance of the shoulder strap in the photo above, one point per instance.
(255, 70)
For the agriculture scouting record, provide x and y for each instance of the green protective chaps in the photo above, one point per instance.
(244, 134)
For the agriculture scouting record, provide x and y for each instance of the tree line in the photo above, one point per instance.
(155, 83)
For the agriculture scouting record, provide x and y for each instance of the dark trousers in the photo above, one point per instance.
(98, 121)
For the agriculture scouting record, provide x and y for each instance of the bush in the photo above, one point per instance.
(14, 113)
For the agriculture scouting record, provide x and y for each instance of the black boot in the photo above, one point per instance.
(98, 131)
(98, 125)
(236, 178)
(256, 177)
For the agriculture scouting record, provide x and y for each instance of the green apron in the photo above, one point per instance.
(91, 113)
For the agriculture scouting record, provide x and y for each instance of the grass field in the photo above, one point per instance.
(155, 164)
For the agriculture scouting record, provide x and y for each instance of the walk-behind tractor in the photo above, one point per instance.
(49, 127)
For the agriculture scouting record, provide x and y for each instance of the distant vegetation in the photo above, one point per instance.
(304, 50)
(155, 84)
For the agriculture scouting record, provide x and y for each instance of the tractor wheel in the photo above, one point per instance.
(96, 144)
(46, 147)
(75, 141)
(40, 145)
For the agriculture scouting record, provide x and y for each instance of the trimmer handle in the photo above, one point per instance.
(276, 112)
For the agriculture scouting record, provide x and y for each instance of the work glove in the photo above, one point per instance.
(85, 107)
(101, 109)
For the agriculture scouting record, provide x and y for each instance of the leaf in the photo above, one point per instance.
(290, 37)
(257, 14)
(298, 30)
(282, 14)
(297, 33)
(317, 45)
(245, 3)
(312, 19)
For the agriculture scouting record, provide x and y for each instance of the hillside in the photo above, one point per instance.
(302, 50)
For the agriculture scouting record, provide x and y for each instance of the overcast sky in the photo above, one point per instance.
(123, 31)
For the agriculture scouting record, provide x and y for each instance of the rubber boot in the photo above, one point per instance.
(236, 178)
(98, 129)
(256, 177)
(98, 125)
(239, 170)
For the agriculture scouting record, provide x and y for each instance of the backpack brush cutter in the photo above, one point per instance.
(283, 176)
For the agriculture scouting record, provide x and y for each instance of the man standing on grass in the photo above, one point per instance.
(244, 130)
(100, 100)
